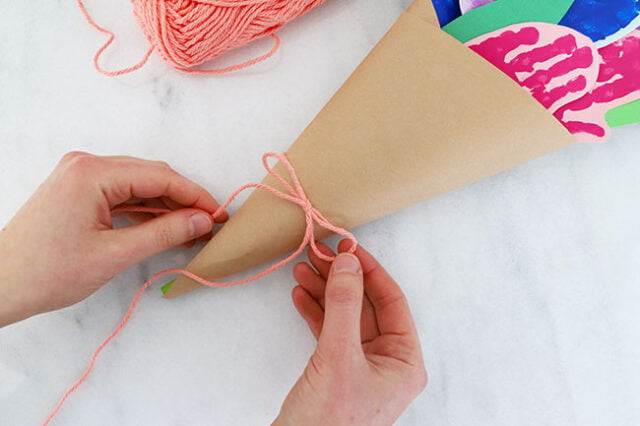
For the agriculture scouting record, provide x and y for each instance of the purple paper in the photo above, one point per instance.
(467, 5)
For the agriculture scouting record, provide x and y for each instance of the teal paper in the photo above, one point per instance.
(502, 13)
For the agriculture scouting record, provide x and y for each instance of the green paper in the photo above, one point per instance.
(624, 114)
(502, 13)
(167, 286)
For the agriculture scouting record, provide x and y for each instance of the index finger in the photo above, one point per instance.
(389, 302)
(126, 177)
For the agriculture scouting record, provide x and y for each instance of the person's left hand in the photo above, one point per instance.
(61, 246)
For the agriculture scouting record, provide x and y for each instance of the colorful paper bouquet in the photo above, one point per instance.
(430, 110)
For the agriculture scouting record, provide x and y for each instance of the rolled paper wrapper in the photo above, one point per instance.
(422, 115)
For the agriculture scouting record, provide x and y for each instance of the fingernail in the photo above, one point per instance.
(200, 224)
(346, 262)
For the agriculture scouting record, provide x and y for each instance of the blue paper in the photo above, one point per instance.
(603, 21)
(447, 10)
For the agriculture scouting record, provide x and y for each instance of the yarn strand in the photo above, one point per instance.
(189, 33)
(111, 39)
(246, 64)
(294, 193)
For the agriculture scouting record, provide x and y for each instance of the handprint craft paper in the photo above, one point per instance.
(565, 72)
(618, 84)
(555, 64)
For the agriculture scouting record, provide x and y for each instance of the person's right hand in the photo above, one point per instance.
(368, 365)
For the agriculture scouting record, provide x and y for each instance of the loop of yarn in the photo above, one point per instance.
(187, 33)
(293, 193)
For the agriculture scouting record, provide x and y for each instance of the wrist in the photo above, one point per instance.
(16, 304)
(283, 420)
(289, 417)
(302, 414)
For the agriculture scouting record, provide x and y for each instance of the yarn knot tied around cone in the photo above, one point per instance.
(294, 193)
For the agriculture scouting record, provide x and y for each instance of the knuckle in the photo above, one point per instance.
(71, 155)
(79, 162)
(417, 380)
(421, 380)
(163, 165)
(341, 293)
(393, 299)
(166, 236)
(121, 255)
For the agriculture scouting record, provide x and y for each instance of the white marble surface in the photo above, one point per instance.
(524, 286)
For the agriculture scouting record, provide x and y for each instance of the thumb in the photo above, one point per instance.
(343, 304)
(136, 243)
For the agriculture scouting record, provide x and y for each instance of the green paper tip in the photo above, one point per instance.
(624, 114)
(167, 286)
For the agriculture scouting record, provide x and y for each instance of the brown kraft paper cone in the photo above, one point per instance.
(420, 116)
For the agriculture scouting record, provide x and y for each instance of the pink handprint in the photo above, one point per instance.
(555, 64)
(618, 83)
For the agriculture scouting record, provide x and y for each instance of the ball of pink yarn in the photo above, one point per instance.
(187, 33)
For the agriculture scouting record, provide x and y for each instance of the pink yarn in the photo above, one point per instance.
(187, 33)
(294, 193)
